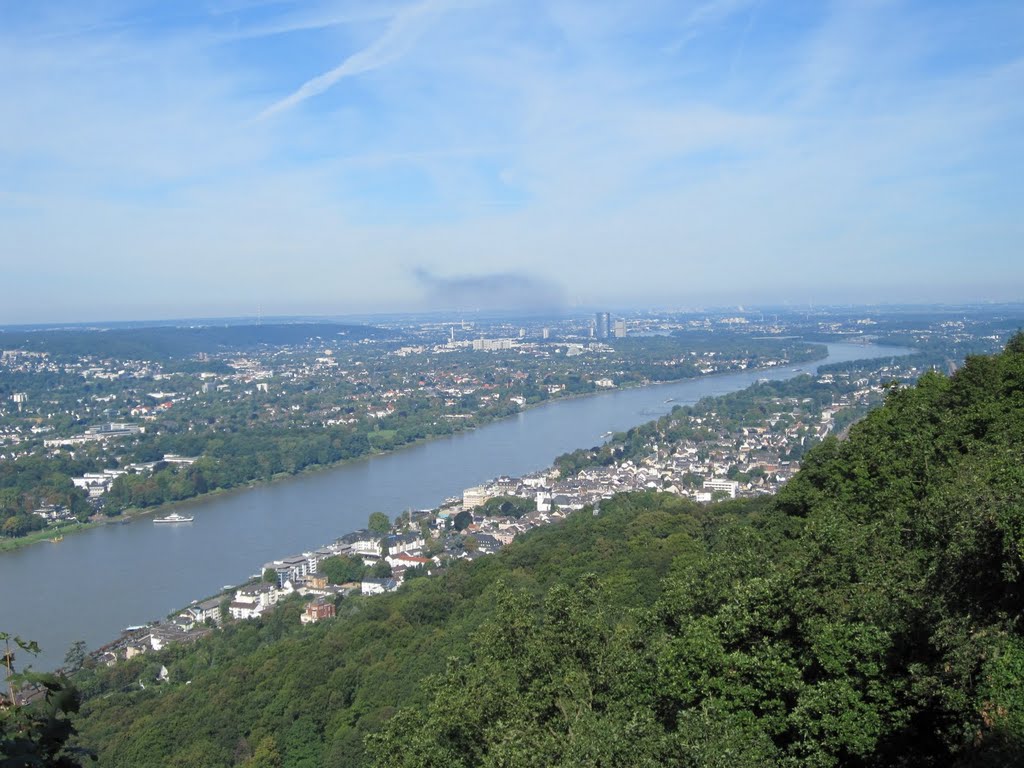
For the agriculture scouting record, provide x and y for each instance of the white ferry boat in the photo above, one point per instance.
(174, 517)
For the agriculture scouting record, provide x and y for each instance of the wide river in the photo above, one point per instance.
(94, 583)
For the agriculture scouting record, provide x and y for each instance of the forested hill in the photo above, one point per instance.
(167, 342)
(867, 616)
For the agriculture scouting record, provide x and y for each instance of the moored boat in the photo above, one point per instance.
(174, 517)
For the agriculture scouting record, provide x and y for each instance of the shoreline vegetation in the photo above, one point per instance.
(134, 513)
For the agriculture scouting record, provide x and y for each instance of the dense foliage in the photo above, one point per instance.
(310, 694)
(36, 734)
(507, 506)
(867, 616)
(870, 618)
(35, 482)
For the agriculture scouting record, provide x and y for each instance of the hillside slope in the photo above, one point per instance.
(868, 615)
(309, 694)
(871, 617)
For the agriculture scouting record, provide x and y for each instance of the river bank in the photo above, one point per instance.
(53, 535)
(134, 513)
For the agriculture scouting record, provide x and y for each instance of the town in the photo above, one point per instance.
(92, 425)
(740, 445)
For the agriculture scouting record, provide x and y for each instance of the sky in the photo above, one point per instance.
(235, 157)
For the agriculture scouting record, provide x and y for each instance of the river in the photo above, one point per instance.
(92, 584)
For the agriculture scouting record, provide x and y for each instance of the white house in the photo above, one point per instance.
(378, 586)
(253, 600)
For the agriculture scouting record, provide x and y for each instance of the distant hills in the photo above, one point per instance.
(165, 342)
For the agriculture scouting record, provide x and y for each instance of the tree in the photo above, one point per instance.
(463, 520)
(266, 754)
(75, 657)
(342, 569)
(508, 506)
(37, 734)
(379, 523)
(270, 575)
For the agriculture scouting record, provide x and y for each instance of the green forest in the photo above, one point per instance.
(868, 615)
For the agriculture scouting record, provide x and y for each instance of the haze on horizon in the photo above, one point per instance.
(209, 158)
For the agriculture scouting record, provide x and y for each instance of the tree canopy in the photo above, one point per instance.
(379, 523)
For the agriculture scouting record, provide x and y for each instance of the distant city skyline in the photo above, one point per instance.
(336, 158)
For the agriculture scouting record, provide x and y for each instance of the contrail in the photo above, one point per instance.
(401, 35)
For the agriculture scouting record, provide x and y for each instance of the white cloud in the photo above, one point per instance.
(563, 144)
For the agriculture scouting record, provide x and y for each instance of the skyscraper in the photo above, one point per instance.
(602, 325)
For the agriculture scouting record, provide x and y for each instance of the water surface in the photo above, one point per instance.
(93, 584)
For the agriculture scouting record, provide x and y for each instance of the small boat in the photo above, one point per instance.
(174, 517)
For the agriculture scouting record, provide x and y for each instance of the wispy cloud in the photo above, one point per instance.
(305, 21)
(512, 148)
(402, 32)
(705, 14)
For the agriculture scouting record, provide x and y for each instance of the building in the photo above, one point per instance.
(207, 609)
(492, 345)
(316, 611)
(252, 601)
(602, 325)
(378, 586)
(366, 545)
(620, 329)
(403, 560)
(405, 542)
(474, 497)
(289, 569)
(721, 484)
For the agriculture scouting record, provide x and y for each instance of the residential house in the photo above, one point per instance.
(317, 611)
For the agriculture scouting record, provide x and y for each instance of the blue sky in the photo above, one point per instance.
(202, 159)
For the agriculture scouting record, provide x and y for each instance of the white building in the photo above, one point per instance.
(378, 586)
(492, 345)
(252, 601)
(721, 484)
